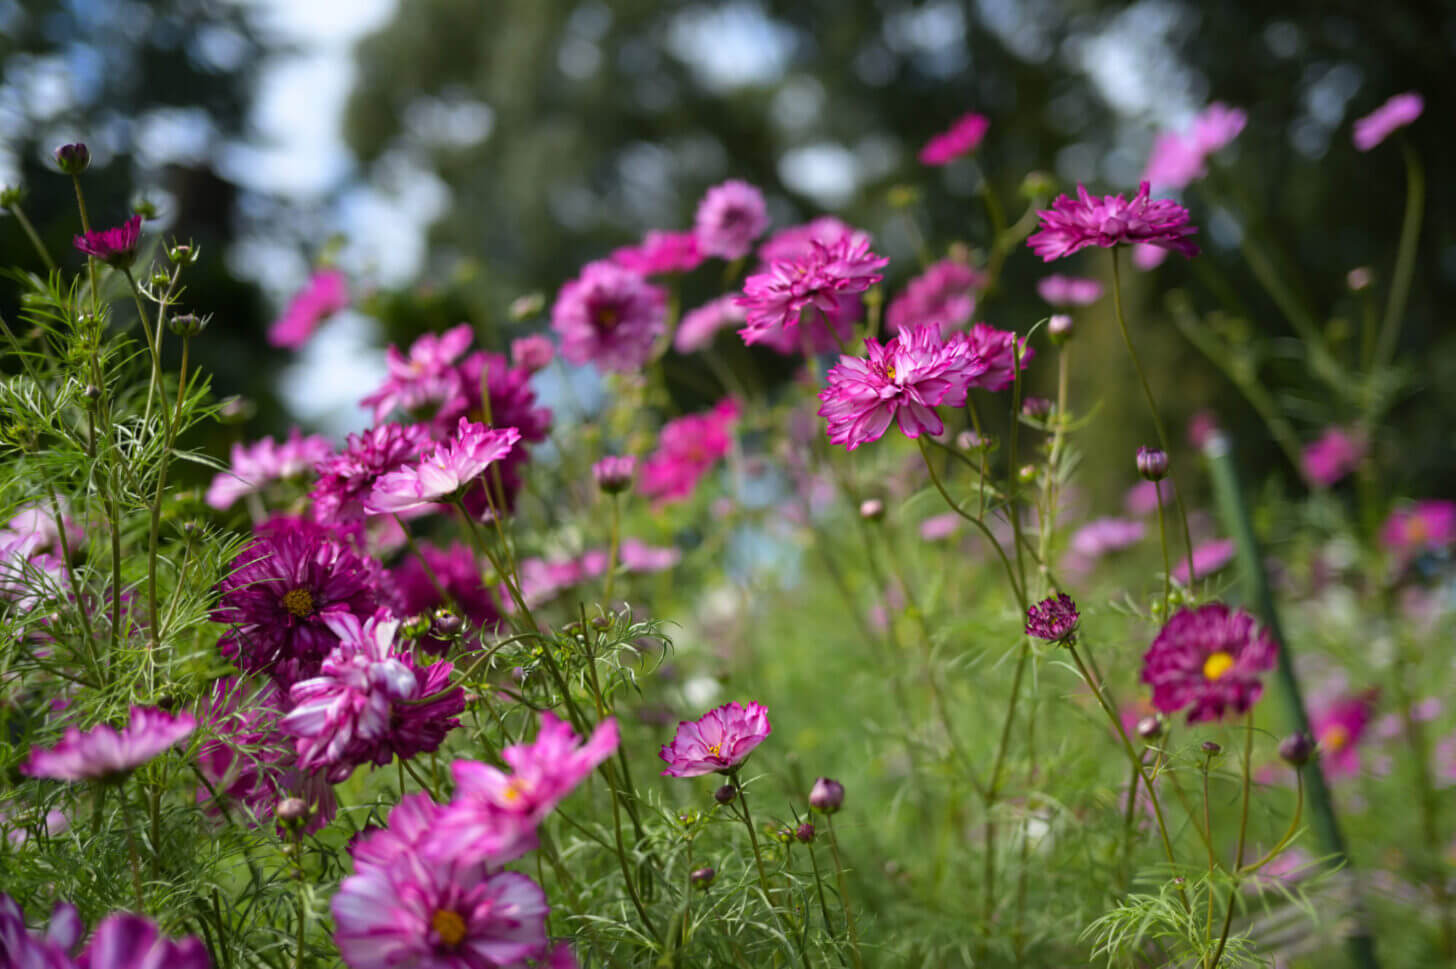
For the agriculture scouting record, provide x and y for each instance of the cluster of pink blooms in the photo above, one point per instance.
(429, 890)
(1179, 159)
(325, 293)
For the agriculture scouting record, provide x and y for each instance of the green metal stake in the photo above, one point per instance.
(1235, 513)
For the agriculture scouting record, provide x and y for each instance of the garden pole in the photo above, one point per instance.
(1235, 513)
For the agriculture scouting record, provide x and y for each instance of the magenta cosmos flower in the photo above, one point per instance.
(1339, 728)
(325, 293)
(424, 378)
(456, 572)
(275, 596)
(903, 380)
(729, 218)
(1180, 158)
(1060, 290)
(1208, 660)
(1333, 456)
(542, 772)
(720, 740)
(814, 281)
(421, 897)
(999, 349)
(370, 702)
(115, 246)
(1375, 127)
(103, 752)
(1053, 619)
(945, 294)
(661, 253)
(444, 472)
(609, 317)
(1426, 526)
(698, 327)
(346, 479)
(1071, 225)
(961, 138)
(121, 941)
(263, 462)
(687, 449)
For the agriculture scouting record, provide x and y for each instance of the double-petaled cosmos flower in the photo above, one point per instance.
(813, 280)
(121, 941)
(718, 741)
(115, 246)
(609, 316)
(1072, 225)
(944, 294)
(105, 753)
(444, 472)
(729, 218)
(903, 380)
(1208, 661)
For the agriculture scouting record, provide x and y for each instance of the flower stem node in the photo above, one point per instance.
(73, 159)
(827, 795)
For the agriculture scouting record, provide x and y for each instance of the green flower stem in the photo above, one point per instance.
(1163, 541)
(1228, 916)
(819, 887)
(613, 550)
(1152, 405)
(33, 236)
(1405, 258)
(844, 894)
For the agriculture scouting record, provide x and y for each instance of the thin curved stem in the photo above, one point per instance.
(1405, 259)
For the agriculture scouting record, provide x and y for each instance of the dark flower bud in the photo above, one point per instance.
(188, 324)
(805, 832)
(1150, 727)
(445, 623)
(872, 509)
(702, 878)
(92, 392)
(827, 795)
(1296, 749)
(725, 794)
(1152, 463)
(73, 159)
(1211, 749)
(292, 810)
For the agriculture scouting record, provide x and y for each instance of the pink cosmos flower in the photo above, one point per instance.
(369, 702)
(532, 353)
(1333, 456)
(444, 471)
(776, 298)
(1209, 661)
(662, 253)
(961, 138)
(999, 349)
(1375, 127)
(827, 329)
(104, 752)
(1072, 225)
(1053, 619)
(720, 740)
(1060, 290)
(326, 293)
(687, 449)
(427, 376)
(1142, 498)
(1425, 526)
(729, 218)
(903, 380)
(1208, 558)
(1180, 159)
(698, 327)
(945, 293)
(543, 772)
(121, 941)
(428, 906)
(610, 317)
(116, 246)
(418, 826)
(346, 479)
(1338, 729)
(263, 462)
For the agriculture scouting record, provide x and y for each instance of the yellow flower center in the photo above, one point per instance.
(1217, 665)
(516, 789)
(1416, 532)
(1335, 737)
(449, 926)
(299, 602)
(890, 371)
(715, 749)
